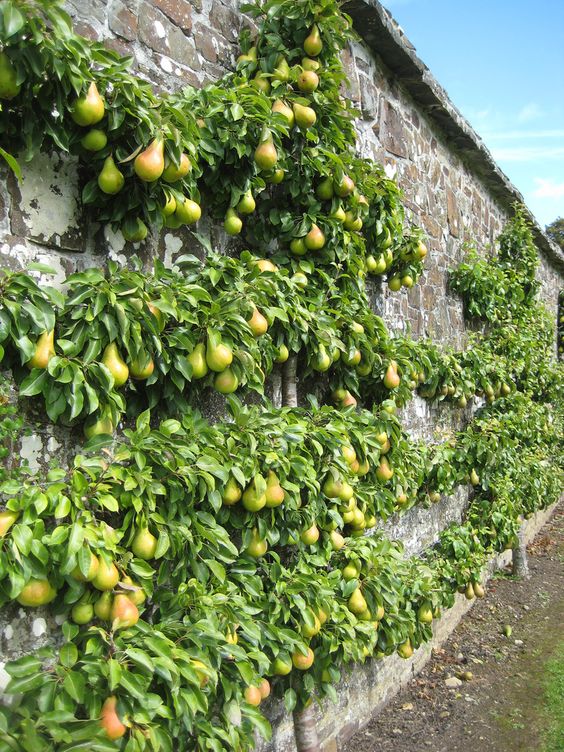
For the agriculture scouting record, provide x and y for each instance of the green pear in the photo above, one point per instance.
(313, 43)
(197, 359)
(9, 88)
(110, 179)
(305, 116)
(89, 108)
(218, 357)
(357, 603)
(115, 364)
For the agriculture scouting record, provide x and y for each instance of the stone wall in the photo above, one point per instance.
(175, 43)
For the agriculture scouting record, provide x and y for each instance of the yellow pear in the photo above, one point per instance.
(274, 492)
(197, 359)
(283, 109)
(187, 212)
(115, 364)
(313, 43)
(357, 602)
(7, 519)
(37, 592)
(266, 155)
(391, 377)
(109, 720)
(305, 116)
(258, 323)
(44, 350)
(232, 224)
(231, 493)
(124, 613)
(149, 165)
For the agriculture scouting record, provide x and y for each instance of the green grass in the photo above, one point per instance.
(554, 702)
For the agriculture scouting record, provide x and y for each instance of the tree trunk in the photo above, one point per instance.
(276, 380)
(520, 560)
(305, 730)
(289, 387)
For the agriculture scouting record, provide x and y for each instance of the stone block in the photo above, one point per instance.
(123, 21)
(392, 131)
(178, 11)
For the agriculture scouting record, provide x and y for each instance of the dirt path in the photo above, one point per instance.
(501, 707)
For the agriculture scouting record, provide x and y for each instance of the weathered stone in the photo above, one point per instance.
(123, 21)
(453, 214)
(178, 11)
(392, 131)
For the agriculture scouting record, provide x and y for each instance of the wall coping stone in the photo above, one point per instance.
(383, 35)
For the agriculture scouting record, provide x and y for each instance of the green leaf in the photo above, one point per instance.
(74, 685)
(68, 654)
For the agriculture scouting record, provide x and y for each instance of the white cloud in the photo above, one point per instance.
(548, 188)
(530, 111)
(527, 153)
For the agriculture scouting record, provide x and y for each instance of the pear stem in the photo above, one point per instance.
(289, 387)
(305, 730)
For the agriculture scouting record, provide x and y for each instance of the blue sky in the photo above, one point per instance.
(502, 64)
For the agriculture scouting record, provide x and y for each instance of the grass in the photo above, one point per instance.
(553, 710)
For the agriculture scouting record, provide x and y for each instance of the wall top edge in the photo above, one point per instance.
(383, 35)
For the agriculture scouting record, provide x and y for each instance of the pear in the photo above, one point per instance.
(266, 155)
(310, 65)
(232, 224)
(249, 57)
(310, 536)
(89, 108)
(150, 164)
(231, 493)
(173, 172)
(274, 492)
(252, 696)
(94, 140)
(283, 109)
(264, 688)
(345, 187)
(391, 377)
(339, 214)
(332, 487)
(305, 116)
(197, 359)
(323, 360)
(218, 357)
(247, 204)
(405, 650)
(337, 540)
(282, 355)
(474, 477)
(82, 613)
(144, 544)
(352, 222)
(282, 70)
(98, 425)
(346, 491)
(107, 576)
(350, 572)
(115, 364)
(308, 81)
(258, 546)
(124, 613)
(103, 606)
(261, 83)
(254, 496)
(298, 247)
(324, 190)
(425, 613)
(315, 239)
(384, 472)
(275, 177)
(357, 603)
(469, 592)
(7, 519)
(9, 87)
(226, 382)
(137, 595)
(394, 284)
(37, 592)
(187, 212)
(142, 367)
(109, 720)
(479, 591)
(312, 43)
(110, 179)
(92, 570)
(134, 231)
(170, 206)
(44, 351)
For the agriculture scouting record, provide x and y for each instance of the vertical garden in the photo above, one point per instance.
(199, 567)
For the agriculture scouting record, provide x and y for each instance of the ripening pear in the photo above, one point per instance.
(312, 43)
(226, 382)
(170, 205)
(479, 591)
(92, 570)
(98, 425)
(134, 231)
(266, 155)
(231, 493)
(305, 116)
(254, 496)
(103, 606)
(44, 350)
(258, 323)
(144, 544)
(337, 540)
(109, 720)
(474, 477)
(391, 377)
(7, 519)
(232, 223)
(110, 179)
(274, 492)
(276, 176)
(150, 164)
(346, 491)
(350, 572)
(315, 239)
(107, 576)
(301, 661)
(308, 81)
(187, 212)
(94, 140)
(310, 65)
(115, 364)
(218, 357)
(405, 650)
(37, 592)
(9, 87)
(425, 613)
(82, 613)
(136, 596)
(257, 547)
(352, 222)
(384, 472)
(197, 359)
(298, 247)
(264, 688)
(282, 70)
(310, 536)
(142, 367)
(252, 695)
(124, 613)
(394, 284)
(261, 83)
(324, 190)
(345, 187)
(172, 172)
(247, 204)
(357, 602)
(283, 109)
(89, 108)
(332, 487)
